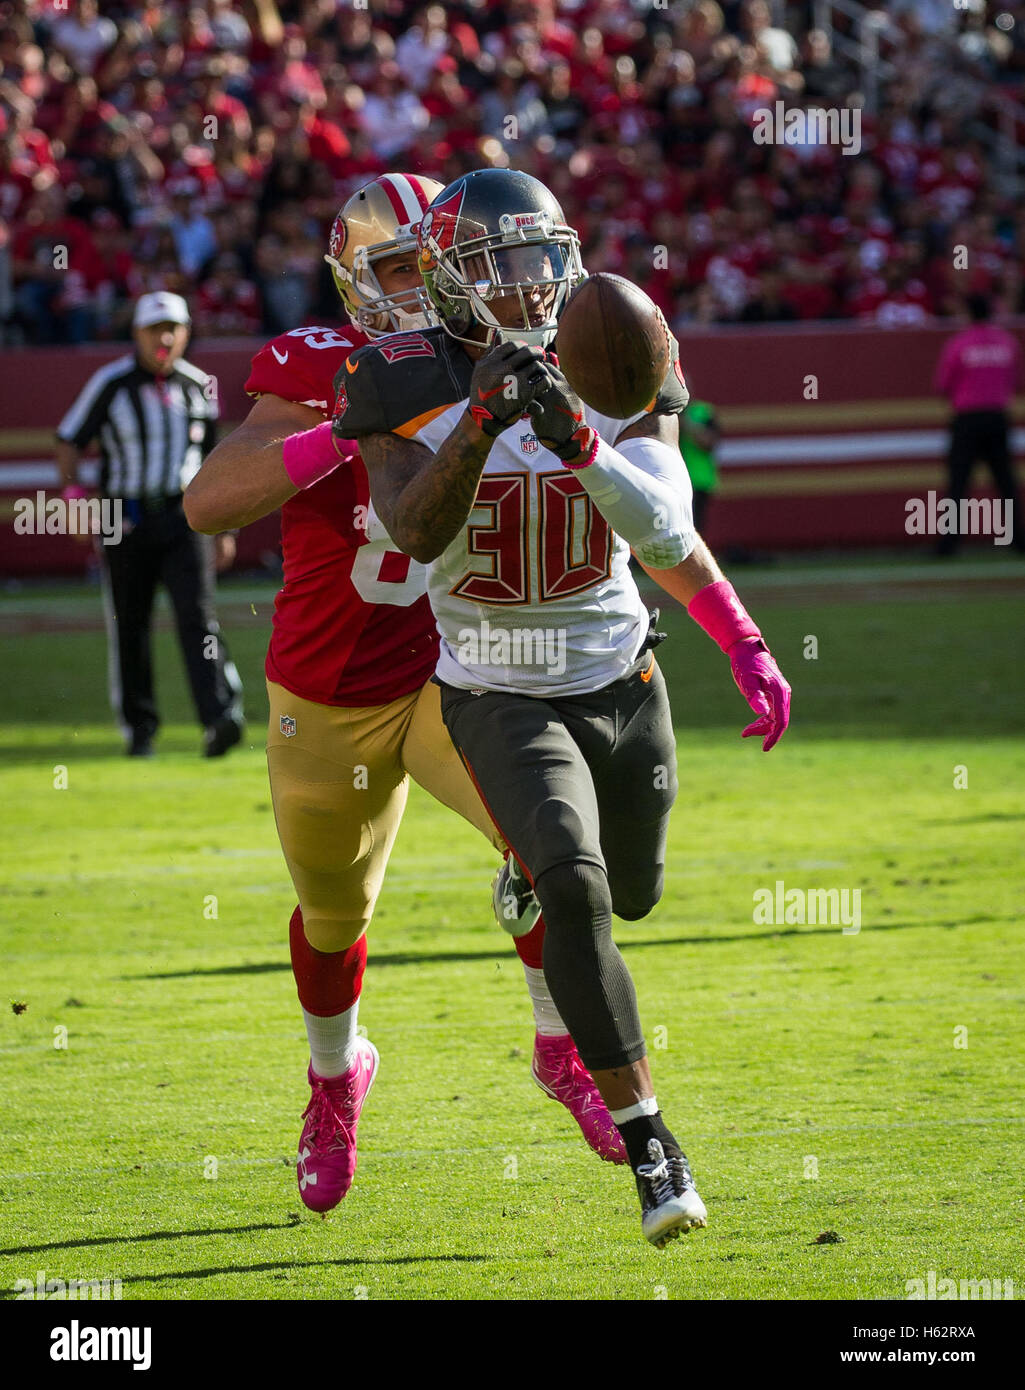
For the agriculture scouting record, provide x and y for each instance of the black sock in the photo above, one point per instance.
(636, 1134)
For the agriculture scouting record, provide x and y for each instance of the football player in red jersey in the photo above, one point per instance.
(352, 711)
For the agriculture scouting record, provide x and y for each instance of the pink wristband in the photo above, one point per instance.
(312, 455)
(720, 612)
(73, 492)
(587, 456)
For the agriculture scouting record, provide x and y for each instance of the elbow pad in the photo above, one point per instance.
(643, 490)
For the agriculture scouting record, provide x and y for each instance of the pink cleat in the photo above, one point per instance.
(561, 1074)
(326, 1163)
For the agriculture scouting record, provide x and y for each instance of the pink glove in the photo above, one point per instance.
(718, 610)
(761, 683)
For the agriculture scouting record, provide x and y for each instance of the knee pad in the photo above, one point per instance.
(636, 900)
(575, 898)
(331, 934)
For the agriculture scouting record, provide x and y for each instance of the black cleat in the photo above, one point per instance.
(140, 745)
(669, 1200)
(221, 736)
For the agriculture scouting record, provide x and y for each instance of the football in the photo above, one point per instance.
(613, 345)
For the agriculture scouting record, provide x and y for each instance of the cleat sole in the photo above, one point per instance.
(679, 1224)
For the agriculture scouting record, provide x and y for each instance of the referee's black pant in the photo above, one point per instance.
(158, 547)
(982, 436)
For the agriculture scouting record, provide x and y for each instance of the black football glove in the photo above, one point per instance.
(504, 382)
(557, 413)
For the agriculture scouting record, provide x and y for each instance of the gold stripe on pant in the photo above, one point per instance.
(339, 787)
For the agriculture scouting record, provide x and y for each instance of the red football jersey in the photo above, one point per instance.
(352, 624)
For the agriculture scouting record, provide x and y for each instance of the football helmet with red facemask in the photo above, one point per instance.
(380, 220)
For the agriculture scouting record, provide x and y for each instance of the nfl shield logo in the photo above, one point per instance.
(529, 443)
(287, 725)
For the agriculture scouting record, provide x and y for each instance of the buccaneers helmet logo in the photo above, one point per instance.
(437, 230)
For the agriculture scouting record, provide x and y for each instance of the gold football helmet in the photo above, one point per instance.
(380, 220)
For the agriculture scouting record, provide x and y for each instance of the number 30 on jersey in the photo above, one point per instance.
(572, 550)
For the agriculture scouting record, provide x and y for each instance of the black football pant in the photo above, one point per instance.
(982, 436)
(581, 788)
(158, 547)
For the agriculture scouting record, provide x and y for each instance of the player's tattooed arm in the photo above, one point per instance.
(424, 499)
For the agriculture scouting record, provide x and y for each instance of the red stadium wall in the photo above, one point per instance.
(827, 432)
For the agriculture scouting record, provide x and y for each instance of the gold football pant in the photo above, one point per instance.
(339, 777)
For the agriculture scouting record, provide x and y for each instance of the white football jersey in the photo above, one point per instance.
(535, 594)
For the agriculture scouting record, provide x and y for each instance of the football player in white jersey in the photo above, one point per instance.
(484, 465)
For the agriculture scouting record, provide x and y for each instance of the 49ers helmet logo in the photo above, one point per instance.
(339, 236)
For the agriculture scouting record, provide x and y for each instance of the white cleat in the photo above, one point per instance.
(669, 1200)
(516, 907)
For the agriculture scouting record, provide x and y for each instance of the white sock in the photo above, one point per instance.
(634, 1112)
(547, 1018)
(332, 1042)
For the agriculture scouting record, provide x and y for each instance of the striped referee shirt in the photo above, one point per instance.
(154, 432)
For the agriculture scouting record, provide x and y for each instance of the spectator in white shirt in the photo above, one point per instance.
(84, 37)
(779, 47)
(392, 116)
(420, 47)
(193, 232)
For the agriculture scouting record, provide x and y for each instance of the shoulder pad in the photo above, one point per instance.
(673, 395)
(300, 365)
(389, 386)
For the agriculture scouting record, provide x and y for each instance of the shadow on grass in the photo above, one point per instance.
(623, 942)
(288, 1265)
(978, 820)
(150, 1235)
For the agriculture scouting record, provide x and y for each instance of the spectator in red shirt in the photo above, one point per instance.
(53, 262)
(228, 303)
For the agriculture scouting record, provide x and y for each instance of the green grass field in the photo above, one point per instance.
(865, 1084)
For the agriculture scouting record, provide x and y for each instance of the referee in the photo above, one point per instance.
(155, 418)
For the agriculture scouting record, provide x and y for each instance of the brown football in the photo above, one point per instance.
(613, 345)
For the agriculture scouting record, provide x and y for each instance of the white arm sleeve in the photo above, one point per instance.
(643, 490)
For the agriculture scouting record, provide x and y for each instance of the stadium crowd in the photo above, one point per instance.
(204, 148)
